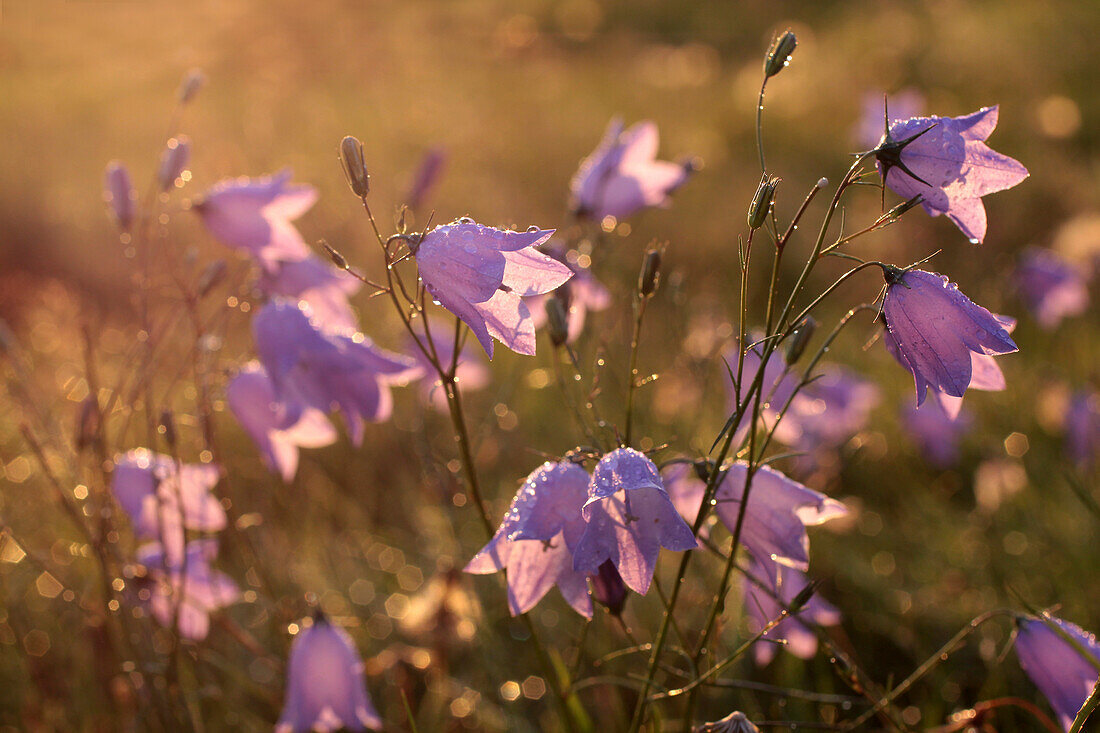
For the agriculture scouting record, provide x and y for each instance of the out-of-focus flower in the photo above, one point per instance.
(933, 330)
(761, 608)
(278, 430)
(828, 411)
(327, 370)
(1083, 427)
(945, 161)
(935, 432)
(630, 518)
(778, 512)
(173, 162)
(735, 722)
(1058, 669)
(1052, 287)
(316, 282)
(472, 372)
(187, 590)
(536, 540)
(325, 685)
(582, 293)
(872, 119)
(425, 177)
(164, 498)
(482, 274)
(254, 215)
(623, 175)
(119, 193)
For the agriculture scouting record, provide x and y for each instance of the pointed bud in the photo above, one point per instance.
(337, 258)
(800, 336)
(608, 588)
(650, 276)
(557, 321)
(173, 162)
(192, 82)
(355, 168)
(118, 192)
(762, 202)
(779, 55)
(211, 276)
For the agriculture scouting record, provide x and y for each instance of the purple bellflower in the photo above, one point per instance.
(1058, 669)
(325, 686)
(323, 287)
(762, 608)
(1083, 427)
(254, 215)
(277, 429)
(935, 331)
(472, 373)
(1051, 287)
(119, 193)
(945, 161)
(623, 176)
(936, 432)
(164, 498)
(326, 370)
(581, 294)
(630, 518)
(536, 540)
(187, 590)
(902, 105)
(481, 275)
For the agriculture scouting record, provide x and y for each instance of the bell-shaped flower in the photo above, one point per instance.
(946, 162)
(623, 175)
(481, 275)
(278, 428)
(936, 432)
(324, 369)
(1082, 425)
(119, 193)
(630, 518)
(1052, 287)
(163, 498)
(581, 294)
(935, 331)
(536, 540)
(186, 591)
(762, 608)
(317, 283)
(828, 411)
(254, 215)
(777, 515)
(471, 373)
(325, 686)
(1062, 673)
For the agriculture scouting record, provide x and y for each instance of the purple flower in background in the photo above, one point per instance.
(254, 215)
(936, 432)
(630, 518)
(761, 608)
(323, 287)
(582, 293)
(933, 330)
(325, 686)
(164, 498)
(173, 162)
(1083, 427)
(481, 275)
(902, 105)
(277, 428)
(426, 176)
(1058, 669)
(187, 590)
(1052, 287)
(623, 175)
(945, 161)
(536, 540)
(828, 411)
(119, 193)
(472, 372)
(326, 370)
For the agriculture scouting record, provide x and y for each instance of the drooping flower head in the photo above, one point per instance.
(326, 370)
(630, 518)
(536, 540)
(933, 330)
(185, 592)
(945, 161)
(581, 294)
(761, 607)
(325, 686)
(1083, 427)
(481, 275)
(1058, 669)
(936, 432)
(323, 287)
(901, 106)
(1051, 287)
(278, 428)
(254, 215)
(623, 176)
(119, 193)
(472, 373)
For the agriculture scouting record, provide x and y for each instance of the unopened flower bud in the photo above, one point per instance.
(173, 161)
(355, 168)
(119, 193)
(650, 275)
(337, 259)
(762, 202)
(87, 428)
(192, 82)
(733, 723)
(211, 276)
(608, 588)
(167, 428)
(557, 321)
(800, 336)
(904, 206)
(779, 54)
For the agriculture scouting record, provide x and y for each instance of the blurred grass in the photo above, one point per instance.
(517, 93)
